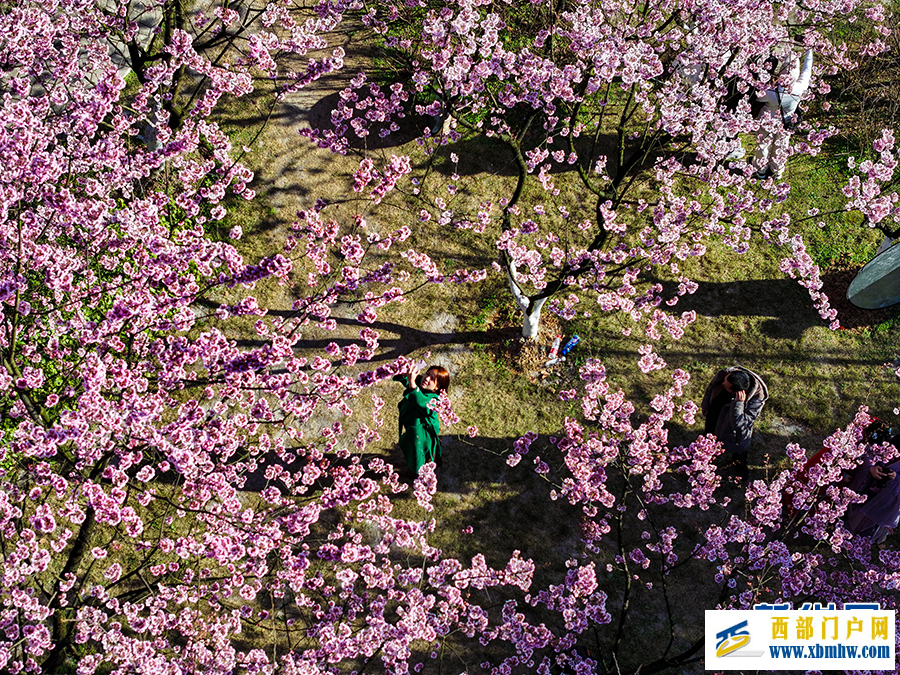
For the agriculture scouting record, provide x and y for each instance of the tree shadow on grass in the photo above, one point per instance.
(482, 507)
(483, 154)
(767, 455)
(409, 127)
(549, 531)
(508, 508)
(835, 283)
(783, 300)
(408, 339)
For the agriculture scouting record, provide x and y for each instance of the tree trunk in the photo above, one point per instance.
(531, 319)
(530, 308)
(151, 131)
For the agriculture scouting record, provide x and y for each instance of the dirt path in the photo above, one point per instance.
(294, 172)
(291, 174)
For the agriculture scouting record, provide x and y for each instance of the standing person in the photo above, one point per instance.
(731, 404)
(419, 424)
(778, 107)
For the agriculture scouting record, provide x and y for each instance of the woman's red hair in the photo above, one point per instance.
(441, 376)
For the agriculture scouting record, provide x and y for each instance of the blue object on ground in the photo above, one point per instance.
(574, 340)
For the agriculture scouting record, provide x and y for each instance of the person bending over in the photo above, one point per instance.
(731, 404)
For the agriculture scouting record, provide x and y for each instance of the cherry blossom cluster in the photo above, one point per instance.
(166, 491)
(625, 477)
(595, 69)
(676, 87)
(866, 192)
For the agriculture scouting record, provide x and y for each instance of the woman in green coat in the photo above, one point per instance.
(419, 425)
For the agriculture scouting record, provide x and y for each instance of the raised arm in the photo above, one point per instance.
(802, 84)
(744, 413)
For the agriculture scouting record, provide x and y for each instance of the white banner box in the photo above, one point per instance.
(800, 639)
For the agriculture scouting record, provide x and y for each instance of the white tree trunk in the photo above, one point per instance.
(152, 129)
(531, 311)
(531, 321)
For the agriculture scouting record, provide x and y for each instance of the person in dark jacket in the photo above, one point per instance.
(731, 404)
